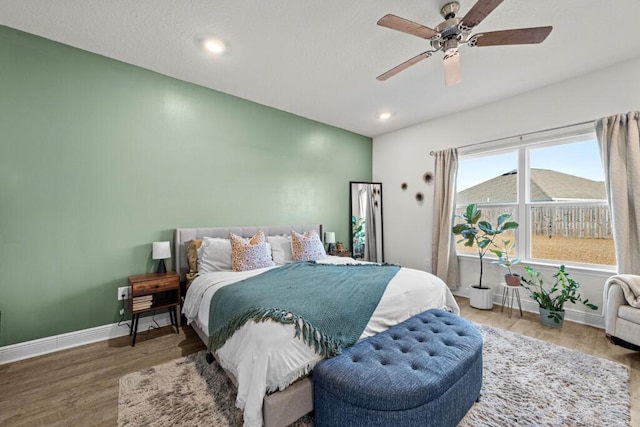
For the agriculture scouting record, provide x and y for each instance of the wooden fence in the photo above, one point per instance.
(564, 221)
(593, 222)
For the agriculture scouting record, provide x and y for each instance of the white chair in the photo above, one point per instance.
(621, 319)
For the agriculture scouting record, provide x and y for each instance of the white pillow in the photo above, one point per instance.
(307, 246)
(281, 249)
(214, 255)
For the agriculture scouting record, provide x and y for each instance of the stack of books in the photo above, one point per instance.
(143, 302)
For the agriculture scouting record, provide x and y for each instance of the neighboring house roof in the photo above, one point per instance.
(546, 185)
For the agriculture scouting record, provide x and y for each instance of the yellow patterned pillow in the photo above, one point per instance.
(249, 254)
(192, 256)
(307, 246)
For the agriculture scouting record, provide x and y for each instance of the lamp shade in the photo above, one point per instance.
(330, 237)
(161, 250)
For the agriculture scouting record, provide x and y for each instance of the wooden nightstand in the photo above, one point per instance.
(154, 291)
(341, 253)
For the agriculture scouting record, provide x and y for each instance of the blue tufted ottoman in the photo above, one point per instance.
(425, 371)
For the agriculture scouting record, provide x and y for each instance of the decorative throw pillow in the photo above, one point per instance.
(249, 254)
(192, 258)
(192, 255)
(214, 255)
(281, 249)
(307, 246)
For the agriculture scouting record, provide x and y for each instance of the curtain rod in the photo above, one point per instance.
(431, 153)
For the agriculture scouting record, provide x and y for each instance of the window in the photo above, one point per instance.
(553, 185)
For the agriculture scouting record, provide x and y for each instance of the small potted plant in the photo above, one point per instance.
(480, 234)
(551, 301)
(511, 278)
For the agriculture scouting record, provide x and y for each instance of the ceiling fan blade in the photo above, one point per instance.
(406, 64)
(519, 36)
(479, 11)
(452, 73)
(396, 23)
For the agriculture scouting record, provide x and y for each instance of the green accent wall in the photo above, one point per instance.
(99, 158)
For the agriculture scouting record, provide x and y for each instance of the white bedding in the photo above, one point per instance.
(266, 356)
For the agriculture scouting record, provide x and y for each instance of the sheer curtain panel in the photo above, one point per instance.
(443, 252)
(619, 141)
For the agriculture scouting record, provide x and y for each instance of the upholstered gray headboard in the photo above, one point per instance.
(183, 235)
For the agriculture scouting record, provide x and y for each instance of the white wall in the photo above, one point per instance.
(403, 156)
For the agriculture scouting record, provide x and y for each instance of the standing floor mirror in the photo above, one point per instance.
(366, 220)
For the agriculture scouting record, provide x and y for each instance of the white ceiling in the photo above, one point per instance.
(319, 59)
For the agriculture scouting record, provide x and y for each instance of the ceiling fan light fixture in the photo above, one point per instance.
(450, 52)
(454, 32)
(452, 73)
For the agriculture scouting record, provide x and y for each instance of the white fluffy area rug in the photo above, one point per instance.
(526, 382)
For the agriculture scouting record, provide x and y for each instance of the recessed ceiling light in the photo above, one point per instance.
(385, 116)
(214, 46)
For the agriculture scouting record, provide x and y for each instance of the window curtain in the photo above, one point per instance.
(444, 262)
(619, 141)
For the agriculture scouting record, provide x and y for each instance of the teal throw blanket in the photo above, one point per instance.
(330, 305)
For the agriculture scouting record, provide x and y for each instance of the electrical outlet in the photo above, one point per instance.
(123, 292)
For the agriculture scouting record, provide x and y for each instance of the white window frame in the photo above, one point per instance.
(522, 145)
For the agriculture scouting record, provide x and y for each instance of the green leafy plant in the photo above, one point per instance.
(480, 233)
(564, 289)
(502, 252)
(357, 225)
(358, 230)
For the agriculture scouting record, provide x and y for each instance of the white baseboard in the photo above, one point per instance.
(26, 350)
(589, 319)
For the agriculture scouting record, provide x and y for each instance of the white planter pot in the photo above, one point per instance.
(481, 298)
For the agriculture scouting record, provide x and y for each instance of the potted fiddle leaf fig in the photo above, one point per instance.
(551, 300)
(481, 234)
(504, 260)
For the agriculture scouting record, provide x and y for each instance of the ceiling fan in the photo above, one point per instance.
(453, 32)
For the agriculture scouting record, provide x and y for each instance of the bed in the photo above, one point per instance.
(265, 360)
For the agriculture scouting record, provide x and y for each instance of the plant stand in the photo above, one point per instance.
(481, 298)
(515, 294)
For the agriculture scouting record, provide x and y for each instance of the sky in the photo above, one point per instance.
(579, 159)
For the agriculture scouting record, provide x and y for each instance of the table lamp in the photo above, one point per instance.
(161, 251)
(330, 240)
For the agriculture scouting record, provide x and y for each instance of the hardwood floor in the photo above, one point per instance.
(80, 386)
